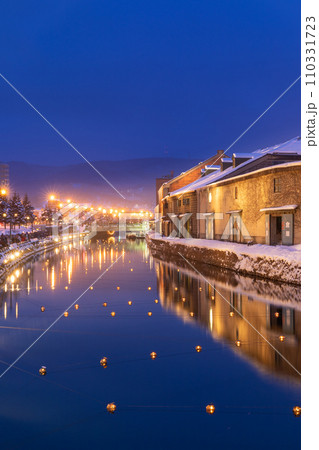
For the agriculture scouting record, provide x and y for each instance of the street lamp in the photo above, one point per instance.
(3, 191)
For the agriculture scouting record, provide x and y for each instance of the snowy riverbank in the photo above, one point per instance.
(281, 263)
(18, 253)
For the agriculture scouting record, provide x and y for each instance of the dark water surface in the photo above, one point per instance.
(160, 403)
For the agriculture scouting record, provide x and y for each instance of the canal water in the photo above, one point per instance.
(161, 402)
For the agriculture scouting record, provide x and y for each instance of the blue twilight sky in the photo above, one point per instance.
(129, 79)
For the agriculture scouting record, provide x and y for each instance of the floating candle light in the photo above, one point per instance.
(231, 313)
(76, 306)
(149, 313)
(66, 314)
(42, 308)
(111, 407)
(210, 409)
(198, 348)
(130, 303)
(112, 313)
(156, 301)
(281, 338)
(238, 343)
(103, 361)
(105, 304)
(43, 371)
(153, 355)
(296, 410)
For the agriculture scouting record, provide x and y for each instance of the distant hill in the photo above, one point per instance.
(134, 178)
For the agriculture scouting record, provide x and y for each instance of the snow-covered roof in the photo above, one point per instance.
(293, 146)
(243, 155)
(280, 208)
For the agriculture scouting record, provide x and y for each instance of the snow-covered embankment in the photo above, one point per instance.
(280, 263)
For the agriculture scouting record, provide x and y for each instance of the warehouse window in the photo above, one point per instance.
(236, 192)
(277, 185)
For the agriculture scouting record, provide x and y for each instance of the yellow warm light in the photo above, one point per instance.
(153, 355)
(277, 314)
(42, 308)
(3, 191)
(149, 313)
(231, 314)
(68, 200)
(281, 338)
(105, 304)
(210, 409)
(191, 314)
(111, 407)
(76, 306)
(66, 314)
(238, 343)
(129, 303)
(112, 313)
(297, 411)
(52, 197)
(43, 371)
(149, 288)
(103, 361)
(60, 205)
(156, 301)
(198, 348)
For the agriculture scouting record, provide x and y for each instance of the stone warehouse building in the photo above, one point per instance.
(251, 198)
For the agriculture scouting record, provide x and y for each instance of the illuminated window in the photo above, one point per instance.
(277, 185)
(210, 197)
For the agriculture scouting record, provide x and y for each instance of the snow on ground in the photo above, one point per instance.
(289, 253)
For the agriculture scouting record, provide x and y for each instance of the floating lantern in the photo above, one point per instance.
(112, 313)
(238, 343)
(184, 299)
(297, 411)
(200, 289)
(111, 407)
(105, 304)
(277, 314)
(198, 348)
(118, 288)
(149, 288)
(156, 301)
(213, 297)
(130, 302)
(76, 306)
(153, 355)
(66, 288)
(281, 338)
(191, 314)
(91, 288)
(66, 314)
(176, 289)
(210, 409)
(131, 270)
(43, 371)
(103, 361)
(40, 287)
(231, 313)
(42, 308)
(149, 313)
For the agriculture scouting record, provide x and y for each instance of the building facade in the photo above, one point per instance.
(252, 198)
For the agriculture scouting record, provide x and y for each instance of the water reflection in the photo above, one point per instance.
(271, 309)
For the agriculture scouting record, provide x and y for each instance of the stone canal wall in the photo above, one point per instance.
(279, 263)
(20, 253)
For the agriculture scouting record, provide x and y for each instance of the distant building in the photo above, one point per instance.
(4, 176)
(252, 197)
